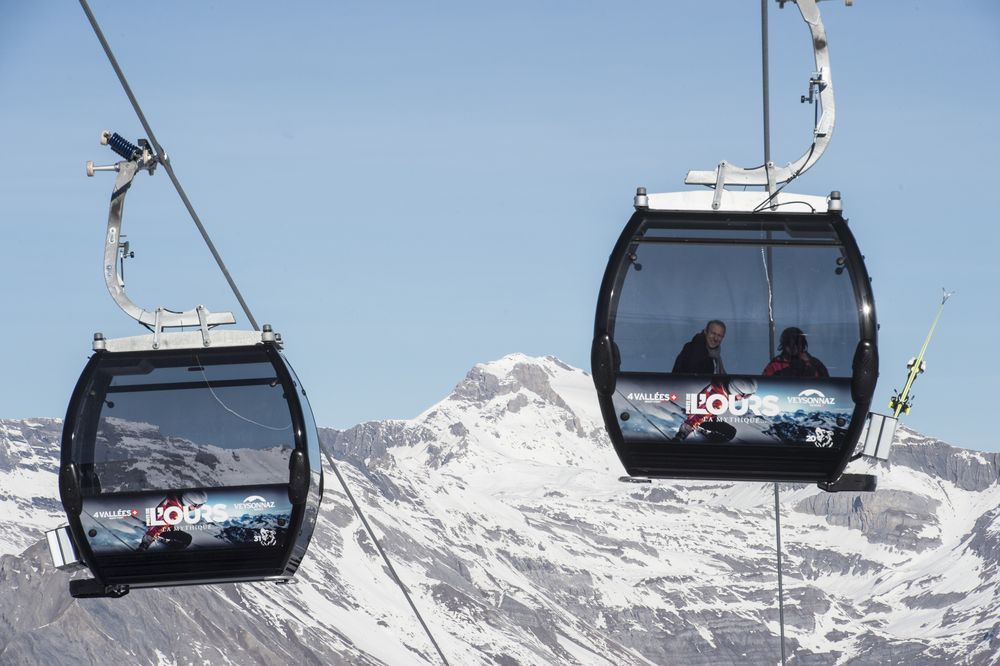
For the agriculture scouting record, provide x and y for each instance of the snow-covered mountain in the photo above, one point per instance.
(501, 510)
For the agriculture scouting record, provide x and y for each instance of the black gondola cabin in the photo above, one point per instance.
(189, 463)
(758, 270)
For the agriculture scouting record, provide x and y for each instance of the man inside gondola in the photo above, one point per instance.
(793, 360)
(703, 354)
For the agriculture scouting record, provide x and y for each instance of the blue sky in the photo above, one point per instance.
(405, 190)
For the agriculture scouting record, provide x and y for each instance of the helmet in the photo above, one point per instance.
(742, 386)
(194, 498)
(793, 337)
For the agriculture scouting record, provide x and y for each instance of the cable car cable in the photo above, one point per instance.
(385, 557)
(781, 605)
(766, 97)
(768, 268)
(164, 159)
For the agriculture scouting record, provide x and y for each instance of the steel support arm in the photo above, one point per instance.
(155, 319)
(821, 82)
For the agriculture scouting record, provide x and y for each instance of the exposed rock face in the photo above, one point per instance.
(29, 465)
(896, 517)
(501, 511)
(974, 471)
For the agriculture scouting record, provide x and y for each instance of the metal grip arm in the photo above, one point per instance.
(730, 174)
(156, 319)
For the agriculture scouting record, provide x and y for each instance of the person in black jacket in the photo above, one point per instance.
(703, 356)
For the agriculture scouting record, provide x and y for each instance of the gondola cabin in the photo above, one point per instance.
(735, 342)
(184, 463)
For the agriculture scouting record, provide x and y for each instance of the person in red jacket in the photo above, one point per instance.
(793, 360)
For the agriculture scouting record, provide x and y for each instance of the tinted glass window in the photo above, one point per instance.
(672, 289)
(200, 420)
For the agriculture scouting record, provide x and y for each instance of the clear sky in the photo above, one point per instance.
(406, 189)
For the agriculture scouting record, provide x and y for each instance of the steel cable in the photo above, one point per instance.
(385, 557)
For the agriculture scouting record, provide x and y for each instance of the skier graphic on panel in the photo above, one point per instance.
(793, 360)
(168, 534)
(714, 430)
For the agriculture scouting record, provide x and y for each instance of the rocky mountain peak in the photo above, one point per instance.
(518, 406)
(510, 375)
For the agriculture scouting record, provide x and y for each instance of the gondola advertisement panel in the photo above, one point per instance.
(734, 410)
(168, 521)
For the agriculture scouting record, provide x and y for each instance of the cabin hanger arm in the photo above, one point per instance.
(821, 88)
(140, 158)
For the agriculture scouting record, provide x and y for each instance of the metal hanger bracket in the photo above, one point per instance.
(140, 157)
(821, 89)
